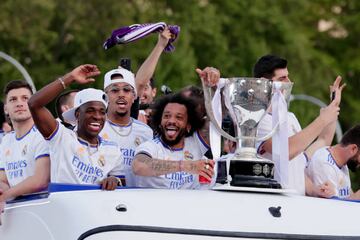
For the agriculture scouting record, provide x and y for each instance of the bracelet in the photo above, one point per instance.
(61, 79)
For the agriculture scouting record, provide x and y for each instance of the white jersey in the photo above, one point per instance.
(297, 165)
(18, 155)
(322, 168)
(194, 149)
(2, 134)
(128, 138)
(75, 161)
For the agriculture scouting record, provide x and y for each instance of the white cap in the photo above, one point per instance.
(127, 77)
(82, 97)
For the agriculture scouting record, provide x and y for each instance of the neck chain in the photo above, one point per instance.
(88, 146)
(121, 129)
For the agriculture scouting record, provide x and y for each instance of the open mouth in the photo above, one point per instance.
(171, 131)
(95, 127)
(121, 103)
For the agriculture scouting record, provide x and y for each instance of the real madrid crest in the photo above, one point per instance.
(137, 141)
(188, 155)
(101, 161)
(24, 151)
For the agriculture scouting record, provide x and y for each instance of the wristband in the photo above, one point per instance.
(61, 79)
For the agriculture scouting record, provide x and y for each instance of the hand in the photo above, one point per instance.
(209, 75)
(204, 168)
(110, 183)
(83, 74)
(164, 37)
(330, 113)
(326, 190)
(143, 118)
(337, 90)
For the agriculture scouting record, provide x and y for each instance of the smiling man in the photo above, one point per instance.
(175, 158)
(81, 156)
(127, 132)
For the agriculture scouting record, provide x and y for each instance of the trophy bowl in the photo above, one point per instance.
(247, 100)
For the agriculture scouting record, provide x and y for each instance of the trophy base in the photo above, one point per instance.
(256, 172)
(253, 181)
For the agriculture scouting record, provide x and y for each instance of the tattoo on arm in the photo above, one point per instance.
(157, 167)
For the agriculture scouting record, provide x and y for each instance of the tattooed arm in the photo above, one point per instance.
(144, 165)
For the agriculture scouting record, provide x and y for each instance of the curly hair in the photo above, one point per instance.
(194, 118)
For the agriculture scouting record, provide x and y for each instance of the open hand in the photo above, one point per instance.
(84, 74)
(337, 90)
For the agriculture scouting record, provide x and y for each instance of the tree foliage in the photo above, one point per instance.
(319, 38)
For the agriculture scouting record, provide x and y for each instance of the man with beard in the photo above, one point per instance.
(24, 154)
(330, 164)
(127, 132)
(174, 159)
(81, 156)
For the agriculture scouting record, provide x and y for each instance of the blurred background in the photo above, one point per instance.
(320, 40)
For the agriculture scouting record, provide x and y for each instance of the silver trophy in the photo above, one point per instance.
(247, 100)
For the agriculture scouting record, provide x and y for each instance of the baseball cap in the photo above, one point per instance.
(82, 97)
(127, 77)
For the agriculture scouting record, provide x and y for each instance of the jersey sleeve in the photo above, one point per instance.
(58, 135)
(148, 148)
(204, 147)
(119, 169)
(41, 147)
(322, 172)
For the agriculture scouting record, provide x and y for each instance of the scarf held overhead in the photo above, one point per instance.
(134, 32)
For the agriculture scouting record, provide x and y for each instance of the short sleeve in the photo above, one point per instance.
(41, 148)
(147, 148)
(201, 143)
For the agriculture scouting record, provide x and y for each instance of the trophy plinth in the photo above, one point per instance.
(248, 170)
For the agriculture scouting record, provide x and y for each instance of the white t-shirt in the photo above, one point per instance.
(74, 161)
(128, 138)
(2, 134)
(194, 149)
(18, 155)
(297, 165)
(322, 167)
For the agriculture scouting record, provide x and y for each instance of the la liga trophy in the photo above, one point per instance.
(247, 100)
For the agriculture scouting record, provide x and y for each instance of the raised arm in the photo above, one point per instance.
(326, 136)
(43, 119)
(147, 69)
(144, 165)
(210, 76)
(301, 140)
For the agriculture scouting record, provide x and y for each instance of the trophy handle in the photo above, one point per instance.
(210, 112)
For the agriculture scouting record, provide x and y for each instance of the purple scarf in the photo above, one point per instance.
(137, 31)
